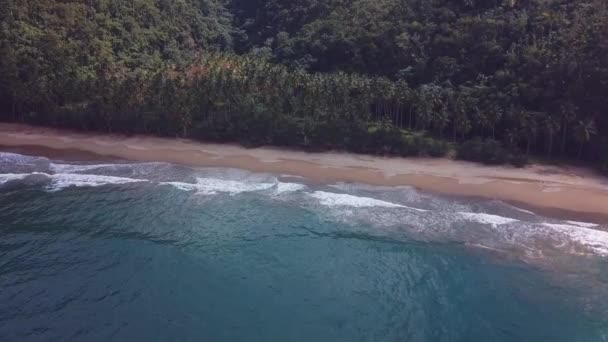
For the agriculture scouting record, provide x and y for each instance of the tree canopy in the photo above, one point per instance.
(383, 76)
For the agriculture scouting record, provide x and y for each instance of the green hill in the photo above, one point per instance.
(509, 77)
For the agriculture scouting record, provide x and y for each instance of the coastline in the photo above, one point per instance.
(565, 191)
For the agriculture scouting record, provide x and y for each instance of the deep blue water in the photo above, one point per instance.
(89, 254)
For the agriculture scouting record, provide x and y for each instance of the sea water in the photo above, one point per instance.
(161, 252)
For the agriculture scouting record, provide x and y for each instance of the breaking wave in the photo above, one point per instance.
(65, 180)
(211, 186)
(331, 199)
(492, 224)
(493, 220)
(593, 239)
(8, 177)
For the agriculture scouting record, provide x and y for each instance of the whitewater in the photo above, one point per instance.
(339, 200)
(238, 251)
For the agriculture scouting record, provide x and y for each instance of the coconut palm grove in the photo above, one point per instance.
(496, 81)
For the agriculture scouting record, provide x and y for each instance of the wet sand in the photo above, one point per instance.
(566, 191)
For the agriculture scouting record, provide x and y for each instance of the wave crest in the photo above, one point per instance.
(331, 199)
(212, 186)
(64, 180)
(490, 219)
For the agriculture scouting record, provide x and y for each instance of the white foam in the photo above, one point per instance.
(524, 211)
(596, 240)
(582, 224)
(7, 177)
(289, 187)
(416, 209)
(211, 186)
(481, 246)
(182, 186)
(331, 199)
(490, 219)
(291, 176)
(8, 155)
(18, 159)
(64, 180)
(69, 168)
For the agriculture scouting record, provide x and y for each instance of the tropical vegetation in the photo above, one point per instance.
(499, 80)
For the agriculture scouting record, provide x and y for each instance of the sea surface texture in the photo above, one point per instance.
(121, 251)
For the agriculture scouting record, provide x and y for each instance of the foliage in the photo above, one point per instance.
(490, 152)
(395, 77)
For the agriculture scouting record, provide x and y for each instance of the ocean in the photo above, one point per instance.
(122, 251)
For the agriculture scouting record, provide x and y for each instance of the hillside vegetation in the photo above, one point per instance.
(498, 79)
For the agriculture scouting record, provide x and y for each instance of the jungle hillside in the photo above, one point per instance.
(497, 81)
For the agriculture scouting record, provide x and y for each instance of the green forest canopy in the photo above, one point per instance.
(502, 78)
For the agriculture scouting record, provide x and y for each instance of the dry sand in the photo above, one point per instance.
(569, 191)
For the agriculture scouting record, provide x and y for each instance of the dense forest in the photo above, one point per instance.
(499, 80)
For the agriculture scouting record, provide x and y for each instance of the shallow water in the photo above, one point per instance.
(156, 252)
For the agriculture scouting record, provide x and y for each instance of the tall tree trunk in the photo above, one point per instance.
(563, 144)
(14, 111)
(184, 128)
(395, 119)
(410, 123)
(400, 116)
(14, 106)
(550, 145)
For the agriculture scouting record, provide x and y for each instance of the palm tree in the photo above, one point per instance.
(441, 115)
(551, 127)
(494, 115)
(567, 112)
(582, 133)
(424, 106)
(462, 104)
(529, 127)
(511, 137)
(480, 119)
(461, 124)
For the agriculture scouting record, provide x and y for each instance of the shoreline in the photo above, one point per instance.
(558, 191)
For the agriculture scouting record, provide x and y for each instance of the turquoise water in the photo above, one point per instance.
(159, 252)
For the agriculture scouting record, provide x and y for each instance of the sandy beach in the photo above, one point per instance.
(555, 190)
